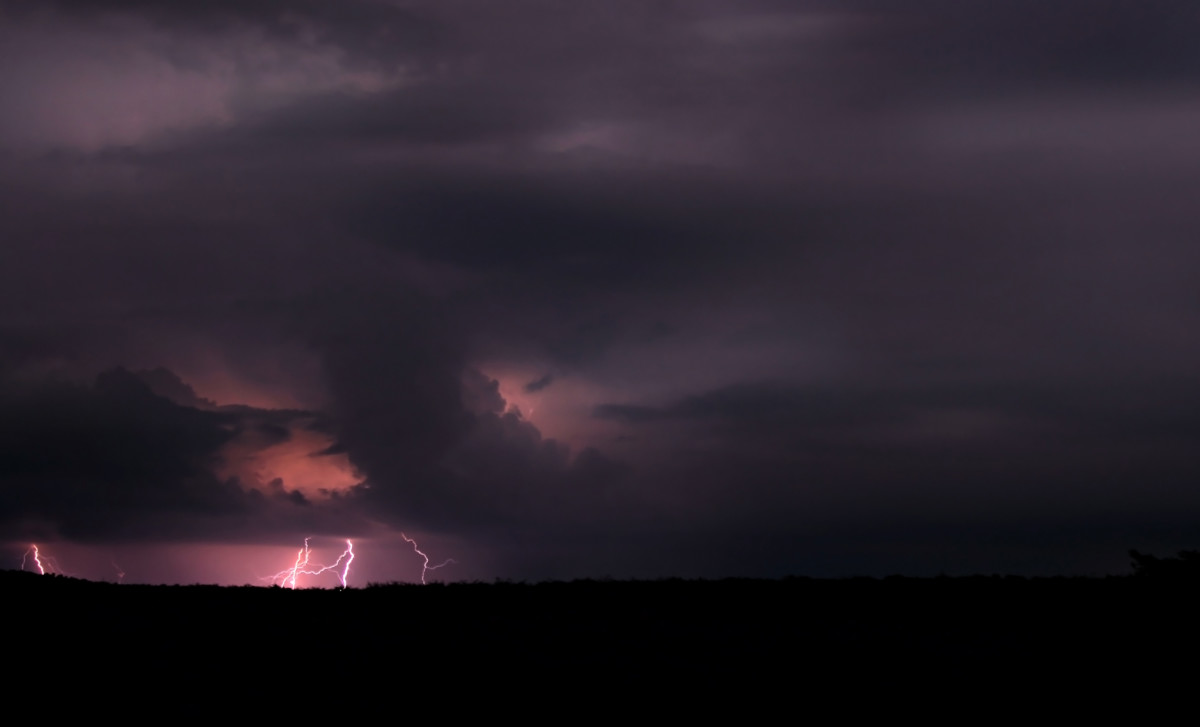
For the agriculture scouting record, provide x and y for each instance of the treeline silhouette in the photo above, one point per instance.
(705, 633)
(1185, 566)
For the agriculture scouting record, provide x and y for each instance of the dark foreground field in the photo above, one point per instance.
(725, 638)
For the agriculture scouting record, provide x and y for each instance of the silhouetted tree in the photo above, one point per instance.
(1185, 565)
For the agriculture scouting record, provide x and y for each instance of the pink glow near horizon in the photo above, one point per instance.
(167, 563)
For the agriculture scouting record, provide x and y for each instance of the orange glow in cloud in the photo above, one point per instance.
(223, 387)
(283, 377)
(296, 463)
(560, 411)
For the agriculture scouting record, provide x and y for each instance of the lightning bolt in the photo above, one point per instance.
(43, 566)
(302, 567)
(426, 567)
(37, 561)
(120, 573)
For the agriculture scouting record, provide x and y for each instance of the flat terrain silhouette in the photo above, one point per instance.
(722, 634)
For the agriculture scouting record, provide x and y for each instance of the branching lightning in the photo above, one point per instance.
(37, 561)
(288, 577)
(34, 559)
(43, 564)
(425, 568)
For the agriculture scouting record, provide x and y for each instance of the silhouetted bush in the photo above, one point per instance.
(1185, 565)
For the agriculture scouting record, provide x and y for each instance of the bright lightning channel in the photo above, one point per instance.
(37, 559)
(426, 567)
(288, 577)
(43, 564)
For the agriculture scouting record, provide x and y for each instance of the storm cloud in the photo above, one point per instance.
(624, 288)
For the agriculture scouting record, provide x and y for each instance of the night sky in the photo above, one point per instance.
(603, 288)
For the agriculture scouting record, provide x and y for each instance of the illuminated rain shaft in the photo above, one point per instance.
(303, 566)
(426, 567)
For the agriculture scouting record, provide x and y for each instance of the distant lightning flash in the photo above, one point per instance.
(288, 576)
(37, 560)
(426, 567)
(43, 564)
(120, 573)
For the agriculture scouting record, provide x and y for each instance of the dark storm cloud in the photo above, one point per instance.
(426, 113)
(432, 434)
(1100, 415)
(92, 460)
(629, 413)
(848, 279)
(1024, 478)
(1008, 44)
(608, 225)
(539, 384)
(115, 462)
(167, 385)
(368, 29)
(20, 347)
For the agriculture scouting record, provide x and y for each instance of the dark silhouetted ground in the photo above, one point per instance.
(781, 640)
